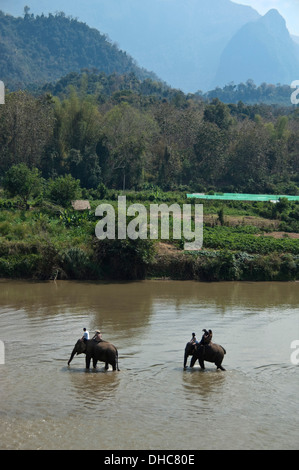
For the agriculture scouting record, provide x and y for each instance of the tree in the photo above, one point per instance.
(128, 133)
(218, 113)
(84, 167)
(174, 151)
(78, 124)
(211, 150)
(20, 181)
(26, 11)
(63, 190)
(248, 167)
(26, 125)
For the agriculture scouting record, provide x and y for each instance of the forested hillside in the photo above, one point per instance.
(44, 48)
(250, 93)
(181, 41)
(123, 133)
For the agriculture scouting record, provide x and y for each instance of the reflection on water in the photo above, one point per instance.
(152, 401)
(94, 386)
(203, 383)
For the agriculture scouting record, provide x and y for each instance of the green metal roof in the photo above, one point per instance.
(243, 197)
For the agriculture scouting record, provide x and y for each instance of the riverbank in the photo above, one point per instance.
(44, 262)
(224, 265)
(241, 241)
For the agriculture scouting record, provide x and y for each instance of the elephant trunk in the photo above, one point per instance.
(72, 355)
(185, 360)
(186, 357)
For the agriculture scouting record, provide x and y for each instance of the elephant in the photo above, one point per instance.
(204, 352)
(97, 351)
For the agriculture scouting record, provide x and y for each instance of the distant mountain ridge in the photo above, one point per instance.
(189, 44)
(44, 48)
(295, 39)
(180, 40)
(263, 50)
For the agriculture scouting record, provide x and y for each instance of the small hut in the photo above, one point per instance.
(81, 205)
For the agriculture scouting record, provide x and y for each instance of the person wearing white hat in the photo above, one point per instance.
(98, 336)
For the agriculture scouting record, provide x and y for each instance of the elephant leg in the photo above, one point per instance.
(193, 360)
(87, 361)
(113, 364)
(94, 362)
(218, 362)
(185, 360)
(200, 356)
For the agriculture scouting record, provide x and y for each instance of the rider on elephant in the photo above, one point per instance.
(85, 336)
(193, 340)
(98, 336)
(205, 341)
(206, 337)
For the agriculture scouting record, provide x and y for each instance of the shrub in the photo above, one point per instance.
(8, 204)
(179, 267)
(288, 268)
(5, 228)
(20, 181)
(21, 266)
(76, 264)
(63, 190)
(124, 259)
(216, 266)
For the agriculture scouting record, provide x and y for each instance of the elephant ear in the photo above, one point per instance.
(81, 346)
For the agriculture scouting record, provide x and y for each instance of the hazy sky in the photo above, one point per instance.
(289, 9)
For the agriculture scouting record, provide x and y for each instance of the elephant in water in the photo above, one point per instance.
(97, 351)
(204, 352)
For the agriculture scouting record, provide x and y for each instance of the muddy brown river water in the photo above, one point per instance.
(152, 403)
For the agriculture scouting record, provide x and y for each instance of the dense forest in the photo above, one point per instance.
(126, 133)
(250, 93)
(278, 96)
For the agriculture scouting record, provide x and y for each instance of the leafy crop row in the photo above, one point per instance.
(225, 238)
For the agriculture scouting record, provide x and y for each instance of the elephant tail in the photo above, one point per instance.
(223, 349)
(117, 360)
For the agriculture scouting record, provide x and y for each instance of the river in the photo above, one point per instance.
(151, 403)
